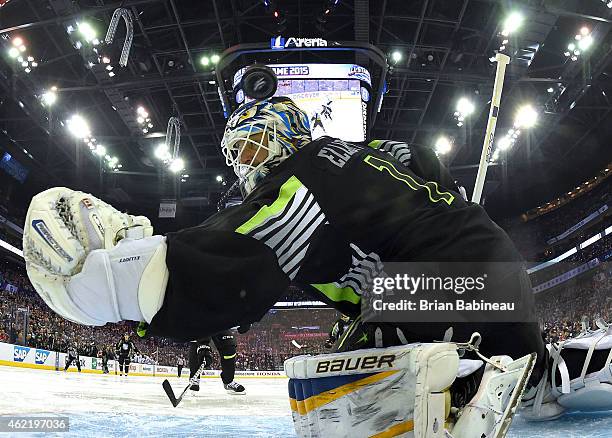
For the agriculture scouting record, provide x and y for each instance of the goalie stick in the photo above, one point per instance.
(170, 393)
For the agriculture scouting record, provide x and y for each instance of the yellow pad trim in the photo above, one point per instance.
(293, 404)
(398, 429)
(316, 401)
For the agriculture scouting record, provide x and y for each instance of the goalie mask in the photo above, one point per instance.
(262, 134)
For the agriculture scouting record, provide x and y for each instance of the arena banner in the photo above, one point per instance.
(29, 357)
(20, 356)
(11, 288)
(41, 357)
(566, 276)
(304, 335)
(579, 225)
(167, 209)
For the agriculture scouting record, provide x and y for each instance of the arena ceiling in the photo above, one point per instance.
(446, 48)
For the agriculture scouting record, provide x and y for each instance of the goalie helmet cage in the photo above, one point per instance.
(243, 55)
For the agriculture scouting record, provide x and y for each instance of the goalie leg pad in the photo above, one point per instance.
(589, 392)
(396, 391)
(491, 410)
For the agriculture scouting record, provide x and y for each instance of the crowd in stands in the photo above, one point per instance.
(294, 294)
(599, 249)
(531, 237)
(269, 342)
(562, 309)
(264, 347)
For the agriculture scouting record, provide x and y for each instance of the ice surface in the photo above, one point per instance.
(109, 405)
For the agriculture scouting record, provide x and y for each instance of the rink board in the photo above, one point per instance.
(36, 358)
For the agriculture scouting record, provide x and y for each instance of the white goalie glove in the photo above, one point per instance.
(71, 241)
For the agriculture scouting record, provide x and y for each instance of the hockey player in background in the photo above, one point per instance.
(124, 349)
(200, 353)
(315, 213)
(338, 329)
(326, 110)
(105, 354)
(180, 363)
(72, 355)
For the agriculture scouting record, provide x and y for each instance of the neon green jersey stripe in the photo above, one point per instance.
(335, 293)
(230, 356)
(375, 144)
(286, 192)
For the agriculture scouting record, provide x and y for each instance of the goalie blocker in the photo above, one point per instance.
(401, 391)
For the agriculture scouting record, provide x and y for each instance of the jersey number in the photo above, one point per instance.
(435, 195)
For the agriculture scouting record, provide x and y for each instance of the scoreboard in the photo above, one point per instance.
(335, 96)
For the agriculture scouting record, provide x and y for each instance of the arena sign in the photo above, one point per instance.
(280, 43)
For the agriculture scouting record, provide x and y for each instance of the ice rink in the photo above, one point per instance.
(109, 405)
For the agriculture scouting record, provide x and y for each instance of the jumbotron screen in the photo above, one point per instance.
(335, 96)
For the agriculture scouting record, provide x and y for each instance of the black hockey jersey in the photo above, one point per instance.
(338, 329)
(125, 348)
(327, 217)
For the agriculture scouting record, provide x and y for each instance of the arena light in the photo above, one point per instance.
(142, 112)
(177, 165)
(219, 178)
(443, 145)
(13, 52)
(87, 31)
(396, 56)
(526, 117)
(162, 153)
(78, 126)
(49, 97)
(585, 42)
(495, 156)
(11, 248)
(17, 42)
(465, 107)
(215, 58)
(204, 60)
(512, 23)
(100, 150)
(504, 143)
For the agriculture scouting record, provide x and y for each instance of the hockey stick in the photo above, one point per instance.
(170, 393)
(502, 62)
